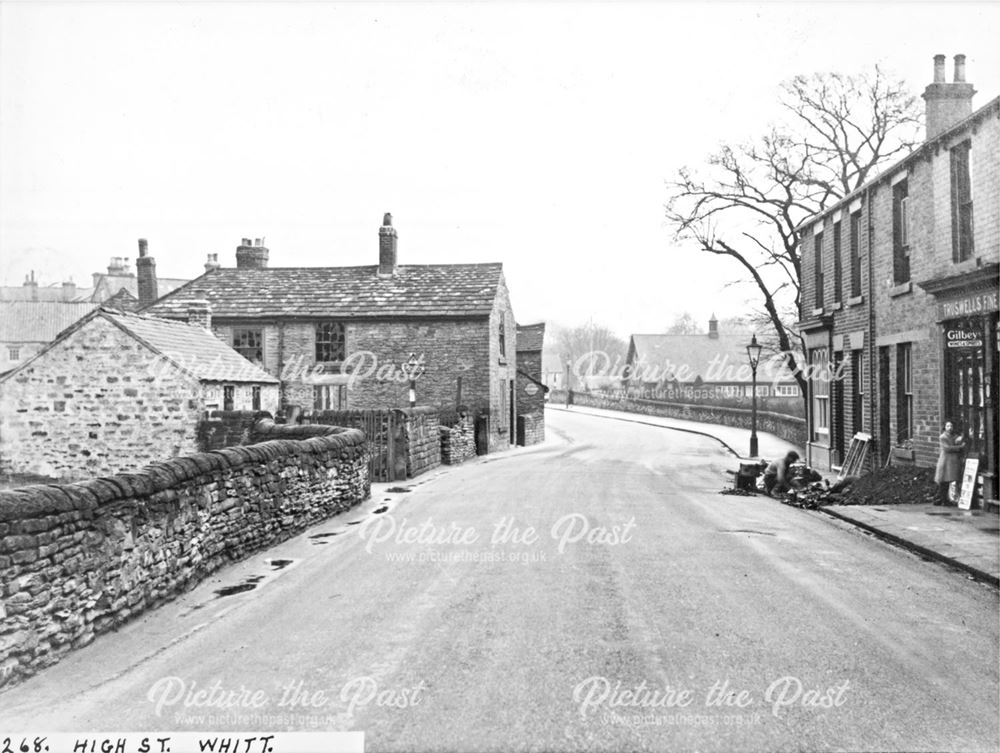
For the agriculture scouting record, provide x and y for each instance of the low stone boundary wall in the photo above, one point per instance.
(458, 442)
(423, 440)
(790, 428)
(530, 429)
(226, 428)
(77, 560)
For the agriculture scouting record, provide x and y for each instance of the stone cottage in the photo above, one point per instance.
(378, 336)
(531, 390)
(117, 391)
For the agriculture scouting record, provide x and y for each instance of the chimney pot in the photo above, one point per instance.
(249, 256)
(143, 247)
(212, 263)
(939, 69)
(145, 269)
(960, 69)
(713, 328)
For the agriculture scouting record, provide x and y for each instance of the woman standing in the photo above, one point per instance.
(949, 462)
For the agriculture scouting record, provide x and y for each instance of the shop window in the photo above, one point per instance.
(855, 254)
(820, 363)
(330, 342)
(818, 256)
(961, 203)
(837, 263)
(249, 343)
(900, 233)
(904, 392)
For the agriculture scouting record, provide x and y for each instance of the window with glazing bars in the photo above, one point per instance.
(330, 342)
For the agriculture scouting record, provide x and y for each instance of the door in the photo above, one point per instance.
(884, 396)
(838, 408)
(513, 414)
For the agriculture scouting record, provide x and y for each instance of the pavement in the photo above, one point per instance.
(968, 540)
(591, 593)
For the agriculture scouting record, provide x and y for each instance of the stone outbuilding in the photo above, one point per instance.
(117, 391)
(531, 390)
(346, 338)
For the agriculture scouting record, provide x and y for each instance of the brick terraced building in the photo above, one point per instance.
(900, 299)
(117, 391)
(350, 337)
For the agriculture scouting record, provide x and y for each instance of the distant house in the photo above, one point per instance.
(702, 368)
(32, 315)
(28, 326)
(352, 337)
(530, 387)
(116, 391)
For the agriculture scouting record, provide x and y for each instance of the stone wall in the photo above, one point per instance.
(458, 442)
(423, 440)
(77, 560)
(789, 428)
(98, 402)
(227, 428)
(530, 429)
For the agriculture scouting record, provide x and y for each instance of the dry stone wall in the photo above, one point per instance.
(77, 560)
(458, 442)
(423, 440)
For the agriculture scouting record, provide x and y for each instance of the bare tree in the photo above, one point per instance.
(573, 344)
(684, 324)
(748, 200)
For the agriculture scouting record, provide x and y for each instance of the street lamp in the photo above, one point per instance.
(753, 353)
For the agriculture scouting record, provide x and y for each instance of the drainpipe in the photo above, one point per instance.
(872, 377)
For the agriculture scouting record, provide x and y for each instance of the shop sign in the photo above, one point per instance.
(531, 388)
(959, 337)
(968, 484)
(979, 303)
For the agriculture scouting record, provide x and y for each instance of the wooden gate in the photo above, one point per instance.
(384, 435)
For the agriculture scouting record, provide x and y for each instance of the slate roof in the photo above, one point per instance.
(47, 293)
(530, 336)
(425, 290)
(720, 358)
(38, 321)
(196, 350)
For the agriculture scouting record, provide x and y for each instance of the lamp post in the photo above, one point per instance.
(753, 353)
(413, 369)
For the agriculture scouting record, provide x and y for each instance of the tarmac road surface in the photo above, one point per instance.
(591, 593)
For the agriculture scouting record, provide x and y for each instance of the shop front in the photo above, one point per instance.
(967, 309)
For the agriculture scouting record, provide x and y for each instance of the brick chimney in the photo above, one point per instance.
(69, 290)
(30, 282)
(947, 104)
(200, 311)
(386, 247)
(145, 268)
(212, 263)
(713, 327)
(251, 254)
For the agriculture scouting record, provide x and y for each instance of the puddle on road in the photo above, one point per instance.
(324, 535)
(233, 590)
(399, 489)
(354, 523)
(747, 530)
(279, 564)
(381, 510)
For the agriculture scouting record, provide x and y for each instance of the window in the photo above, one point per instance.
(330, 342)
(328, 397)
(249, 343)
(820, 363)
(904, 392)
(788, 390)
(255, 392)
(900, 233)
(503, 339)
(855, 254)
(837, 263)
(228, 397)
(961, 203)
(14, 353)
(819, 269)
(858, 380)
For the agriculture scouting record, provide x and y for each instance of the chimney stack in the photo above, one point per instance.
(213, 263)
(947, 104)
(145, 267)
(30, 282)
(251, 255)
(200, 311)
(713, 327)
(387, 247)
(69, 290)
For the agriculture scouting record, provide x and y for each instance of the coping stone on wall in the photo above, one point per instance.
(104, 489)
(139, 484)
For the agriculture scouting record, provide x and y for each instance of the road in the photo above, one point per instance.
(591, 593)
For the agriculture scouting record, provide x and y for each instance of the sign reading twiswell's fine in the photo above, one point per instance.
(185, 742)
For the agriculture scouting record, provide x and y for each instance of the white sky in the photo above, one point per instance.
(538, 135)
